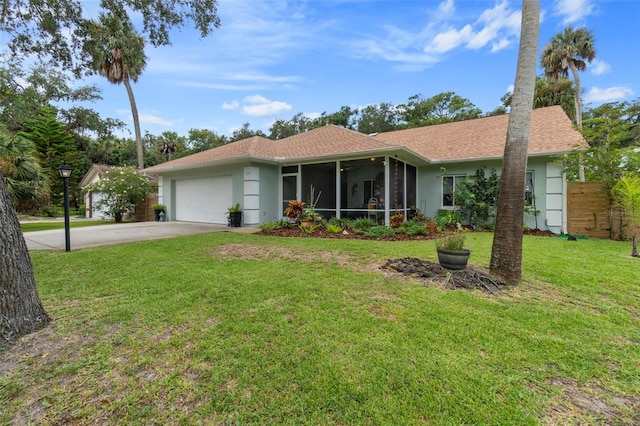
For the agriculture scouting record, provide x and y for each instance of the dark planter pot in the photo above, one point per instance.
(235, 219)
(455, 260)
(157, 213)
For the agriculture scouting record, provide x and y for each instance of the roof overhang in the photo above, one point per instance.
(497, 158)
(405, 153)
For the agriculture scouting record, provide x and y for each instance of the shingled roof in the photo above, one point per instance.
(551, 133)
(326, 141)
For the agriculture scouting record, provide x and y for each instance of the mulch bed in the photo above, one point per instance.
(471, 278)
(294, 231)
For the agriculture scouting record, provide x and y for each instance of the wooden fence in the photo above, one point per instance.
(144, 209)
(590, 213)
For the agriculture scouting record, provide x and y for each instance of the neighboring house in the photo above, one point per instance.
(356, 175)
(93, 175)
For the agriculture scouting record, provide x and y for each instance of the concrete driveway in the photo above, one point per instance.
(100, 235)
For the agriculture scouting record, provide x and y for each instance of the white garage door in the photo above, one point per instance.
(203, 199)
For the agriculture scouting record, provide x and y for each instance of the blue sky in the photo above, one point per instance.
(272, 59)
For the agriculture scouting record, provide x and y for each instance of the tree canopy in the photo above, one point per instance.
(569, 50)
(57, 29)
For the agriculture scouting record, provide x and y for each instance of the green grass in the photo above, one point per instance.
(308, 331)
(46, 226)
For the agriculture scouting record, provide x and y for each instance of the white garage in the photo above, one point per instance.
(203, 199)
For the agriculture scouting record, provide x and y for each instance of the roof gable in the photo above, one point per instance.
(94, 174)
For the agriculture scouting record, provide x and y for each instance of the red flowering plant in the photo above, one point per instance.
(294, 209)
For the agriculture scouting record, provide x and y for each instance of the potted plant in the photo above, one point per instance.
(309, 217)
(235, 215)
(157, 209)
(451, 251)
(431, 225)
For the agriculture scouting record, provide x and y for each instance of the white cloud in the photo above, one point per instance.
(450, 39)
(259, 106)
(154, 119)
(230, 105)
(573, 10)
(145, 118)
(446, 9)
(599, 67)
(610, 94)
(497, 27)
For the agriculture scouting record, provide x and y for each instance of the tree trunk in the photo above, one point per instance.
(578, 106)
(506, 253)
(20, 309)
(136, 123)
(577, 101)
(634, 246)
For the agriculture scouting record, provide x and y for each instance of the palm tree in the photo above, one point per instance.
(506, 253)
(26, 182)
(627, 194)
(117, 53)
(571, 50)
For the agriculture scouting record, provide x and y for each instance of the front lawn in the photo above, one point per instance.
(230, 328)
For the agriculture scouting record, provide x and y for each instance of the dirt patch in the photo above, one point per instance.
(271, 252)
(471, 278)
(580, 405)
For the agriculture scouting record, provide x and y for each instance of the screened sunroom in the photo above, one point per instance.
(374, 187)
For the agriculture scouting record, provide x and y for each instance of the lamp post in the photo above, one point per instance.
(65, 172)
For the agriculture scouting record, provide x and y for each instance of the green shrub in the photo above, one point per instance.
(412, 228)
(477, 198)
(81, 210)
(447, 218)
(285, 223)
(269, 226)
(333, 228)
(51, 211)
(363, 224)
(343, 223)
(378, 232)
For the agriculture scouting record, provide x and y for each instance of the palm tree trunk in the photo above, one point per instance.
(577, 101)
(578, 105)
(20, 309)
(506, 253)
(136, 123)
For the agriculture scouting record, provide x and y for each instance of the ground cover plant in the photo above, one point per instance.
(231, 328)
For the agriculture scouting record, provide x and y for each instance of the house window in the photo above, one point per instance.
(289, 185)
(529, 192)
(449, 188)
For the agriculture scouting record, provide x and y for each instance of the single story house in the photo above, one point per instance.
(351, 174)
(93, 175)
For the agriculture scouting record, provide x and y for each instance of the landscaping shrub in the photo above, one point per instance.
(378, 232)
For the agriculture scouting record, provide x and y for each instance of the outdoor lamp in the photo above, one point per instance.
(65, 172)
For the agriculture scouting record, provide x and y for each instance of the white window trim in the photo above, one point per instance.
(454, 176)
